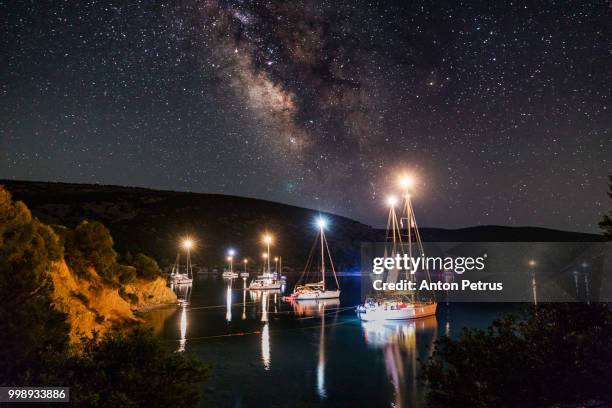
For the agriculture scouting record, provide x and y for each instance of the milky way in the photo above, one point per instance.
(501, 111)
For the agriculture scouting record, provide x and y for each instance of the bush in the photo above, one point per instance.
(556, 354)
(146, 267)
(90, 245)
(124, 273)
(133, 370)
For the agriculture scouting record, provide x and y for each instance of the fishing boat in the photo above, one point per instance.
(403, 238)
(318, 289)
(177, 276)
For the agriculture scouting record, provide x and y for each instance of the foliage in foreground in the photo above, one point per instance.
(133, 370)
(556, 354)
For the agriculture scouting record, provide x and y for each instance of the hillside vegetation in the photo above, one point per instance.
(152, 222)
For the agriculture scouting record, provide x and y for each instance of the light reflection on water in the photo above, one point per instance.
(398, 343)
(314, 352)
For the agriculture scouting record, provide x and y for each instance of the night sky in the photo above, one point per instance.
(500, 111)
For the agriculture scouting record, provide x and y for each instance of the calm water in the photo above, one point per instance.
(267, 352)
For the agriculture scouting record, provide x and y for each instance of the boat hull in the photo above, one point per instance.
(327, 294)
(410, 311)
(182, 281)
(270, 286)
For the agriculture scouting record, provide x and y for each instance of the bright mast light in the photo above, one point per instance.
(391, 201)
(187, 243)
(406, 182)
(321, 223)
(231, 252)
(268, 239)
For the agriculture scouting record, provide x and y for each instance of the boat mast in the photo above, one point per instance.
(322, 259)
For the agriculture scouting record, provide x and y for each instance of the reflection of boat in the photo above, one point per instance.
(406, 304)
(403, 344)
(178, 277)
(228, 302)
(183, 293)
(318, 289)
(308, 308)
(319, 308)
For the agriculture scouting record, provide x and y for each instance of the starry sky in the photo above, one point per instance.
(500, 110)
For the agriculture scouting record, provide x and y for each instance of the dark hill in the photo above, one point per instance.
(151, 221)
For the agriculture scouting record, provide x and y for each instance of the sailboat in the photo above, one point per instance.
(402, 239)
(268, 280)
(318, 289)
(177, 277)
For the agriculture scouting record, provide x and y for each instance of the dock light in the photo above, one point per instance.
(245, 261)
(187, 243)
(321, 223)
(267, 239)
(230, 259)
(276, 259)
(231, 252)
(391, 201)
(406, 182)
(532, 263)
(264, 255)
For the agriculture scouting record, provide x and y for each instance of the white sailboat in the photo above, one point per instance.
(318, 289)
(268, 280)
(245, 274)
(178, 277)
(229, 273)
(409, 304)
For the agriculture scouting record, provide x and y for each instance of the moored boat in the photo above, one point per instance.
(405, 304)
(177, 276)
(318, 289)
